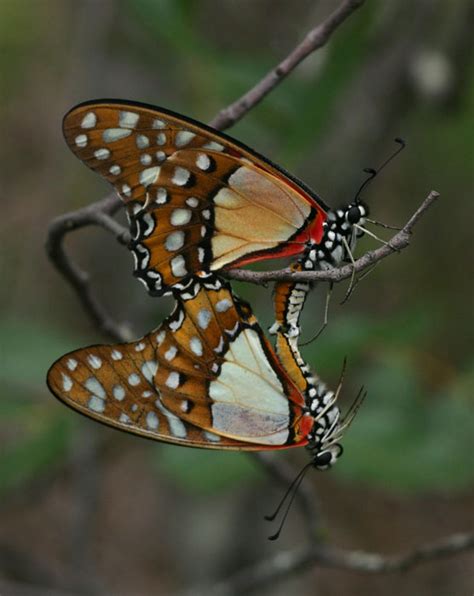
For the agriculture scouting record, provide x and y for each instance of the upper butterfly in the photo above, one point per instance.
(197, 200)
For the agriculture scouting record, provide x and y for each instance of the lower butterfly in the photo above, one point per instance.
(207, 377)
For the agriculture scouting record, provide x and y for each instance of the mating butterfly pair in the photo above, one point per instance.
(199, 201)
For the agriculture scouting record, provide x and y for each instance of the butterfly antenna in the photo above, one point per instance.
(372, 172)
(288, 490)
(293, 489)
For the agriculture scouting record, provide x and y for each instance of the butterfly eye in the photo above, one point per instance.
(354, 215)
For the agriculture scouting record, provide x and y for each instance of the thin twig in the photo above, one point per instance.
(98, 213)
(397, 243)
(287, 563)
(315, 39)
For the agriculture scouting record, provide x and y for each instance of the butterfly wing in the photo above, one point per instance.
(197, 199)
(206, 378)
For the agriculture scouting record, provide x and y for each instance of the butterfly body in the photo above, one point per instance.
(340, 235)
(197, 200)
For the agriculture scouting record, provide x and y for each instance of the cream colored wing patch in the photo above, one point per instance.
(257, 211)
(249, 399)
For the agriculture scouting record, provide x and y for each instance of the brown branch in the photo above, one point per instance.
(287, 563)
(399, 241)
(315, 39)
(99, 213)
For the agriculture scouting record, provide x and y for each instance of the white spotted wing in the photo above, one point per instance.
(197, 200)
(207, 377)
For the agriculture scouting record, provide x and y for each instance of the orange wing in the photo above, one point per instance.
(197, 200)
(207, 377)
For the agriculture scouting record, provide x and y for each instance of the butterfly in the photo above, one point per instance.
(206, 377)
(197, 200)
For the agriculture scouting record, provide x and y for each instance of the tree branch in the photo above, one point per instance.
(399, 241)
(98, 213)
(287, 563)
(315, 39)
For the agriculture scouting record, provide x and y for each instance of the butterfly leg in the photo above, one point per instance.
(325, 320)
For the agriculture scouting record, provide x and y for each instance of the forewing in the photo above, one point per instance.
(115, 385)
(197, 200)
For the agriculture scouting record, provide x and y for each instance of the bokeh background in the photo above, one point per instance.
(88, 510)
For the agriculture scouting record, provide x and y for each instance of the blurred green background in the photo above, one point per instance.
(116, 514)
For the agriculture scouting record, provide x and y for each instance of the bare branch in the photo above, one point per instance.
(314, 40)
(399, 241)
(287, 563)
(99, 214)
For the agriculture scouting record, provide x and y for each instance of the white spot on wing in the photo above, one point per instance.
(101, 153)
(115, 170)
(178, 266)
(192, 202)
(174, 241)
(177, 427)
(140, 347)
(180, 217)
(142, 141)
(160, 337)
(211, 436)
(93, 385)
(133, 379)
(180, 176)
(223, 305)
(204, 316)
(171, 353)
(128, 119)
(118, 392)
(94, 361)
(213, 146)
(203, 162)
(149, 176)
(183, 137)
(89, 120)
(115, 134)
(149, 368)
(157, 123)
(71, 364)
(116, 355)
(161, 139)
(161, 195)
(173, 380)
(96, 404)
(81, 141)
(196, 346)
(67, 382)
(152, 421)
